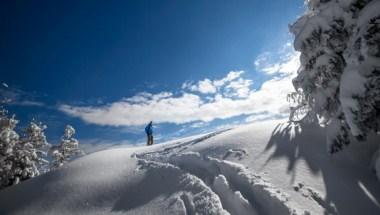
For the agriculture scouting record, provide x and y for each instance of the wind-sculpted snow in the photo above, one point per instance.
(200, 198)
(239, 191)
(262, 196)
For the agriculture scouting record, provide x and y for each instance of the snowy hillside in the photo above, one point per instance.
(262, 168)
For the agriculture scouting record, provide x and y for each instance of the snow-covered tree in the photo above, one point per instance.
(68, 148)
(33, 148)
(339, 77)
(8, 139)
(20, 158)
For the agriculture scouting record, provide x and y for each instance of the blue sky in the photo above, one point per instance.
(107, 67)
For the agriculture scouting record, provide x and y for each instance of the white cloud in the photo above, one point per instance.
(286, 63)
(287, 67)
(206, 86)
(146, 97)
(239, 88)
(230, 77)
(232, 96)
(198, 124)
(261, 59)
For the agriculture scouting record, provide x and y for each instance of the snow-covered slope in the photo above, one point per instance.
(262, 168)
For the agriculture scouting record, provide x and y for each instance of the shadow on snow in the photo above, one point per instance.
(344, 189)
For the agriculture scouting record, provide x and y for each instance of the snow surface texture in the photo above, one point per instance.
(262, 168)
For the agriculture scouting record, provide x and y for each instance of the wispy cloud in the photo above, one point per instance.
(208, 86)
(204, 100)
(198, 124)
(14, 96)
(28, 103)
(285, 62)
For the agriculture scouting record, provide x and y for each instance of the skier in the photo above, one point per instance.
(149, 133)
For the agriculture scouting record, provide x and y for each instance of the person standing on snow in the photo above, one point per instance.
(149, 133)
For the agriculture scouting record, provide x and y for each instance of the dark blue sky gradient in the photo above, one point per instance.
(82, 51)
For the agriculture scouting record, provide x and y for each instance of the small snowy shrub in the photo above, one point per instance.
(34, 147)
(68, 148)
(339, 77)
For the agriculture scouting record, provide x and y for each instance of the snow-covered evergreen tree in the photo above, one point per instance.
(20, 158)
(33, 148)
(68, 148)
(8, 139)
(339, 77)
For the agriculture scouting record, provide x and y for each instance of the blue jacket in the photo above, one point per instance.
(149, 129)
